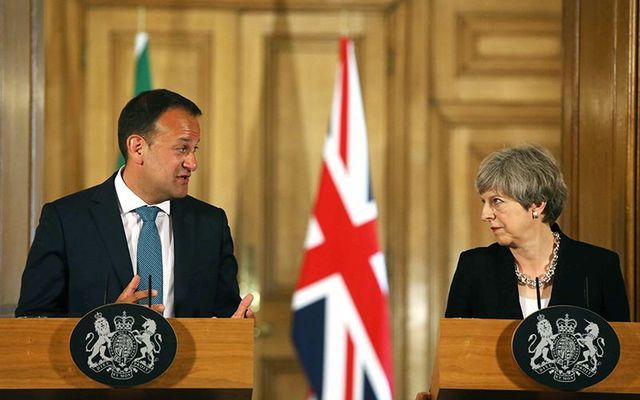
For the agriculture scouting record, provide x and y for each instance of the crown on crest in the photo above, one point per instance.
(124, 322)
(566, 325)
(99, 319)
(541, 320)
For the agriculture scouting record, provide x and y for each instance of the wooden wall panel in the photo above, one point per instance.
(64, 83)
(498, 44)
(294, 147)
(21, 139)
(285, 379)
(405, 213)
(600, 141)
(497, 50)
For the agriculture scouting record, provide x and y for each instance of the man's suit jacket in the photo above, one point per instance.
(79, 257)
(485, 285)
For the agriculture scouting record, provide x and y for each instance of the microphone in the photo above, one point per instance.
(149, 293)
(106, 289)
(586, 292)
(538, 293)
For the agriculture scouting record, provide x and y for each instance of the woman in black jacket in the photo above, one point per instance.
(523, 194)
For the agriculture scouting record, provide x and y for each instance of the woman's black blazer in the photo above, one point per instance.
(485, 285)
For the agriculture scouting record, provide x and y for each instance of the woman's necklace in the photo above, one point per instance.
(546, 278)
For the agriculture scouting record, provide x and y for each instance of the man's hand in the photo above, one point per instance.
(243, 310)
(423, 396)
(131, 295)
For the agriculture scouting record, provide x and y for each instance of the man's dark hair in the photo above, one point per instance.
(141, 113)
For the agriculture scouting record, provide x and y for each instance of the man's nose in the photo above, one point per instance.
(191, 163)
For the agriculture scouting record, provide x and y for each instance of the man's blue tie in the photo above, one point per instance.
(149, 253)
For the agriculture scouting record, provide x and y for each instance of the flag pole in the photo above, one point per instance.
(142, 18)
(344, 22)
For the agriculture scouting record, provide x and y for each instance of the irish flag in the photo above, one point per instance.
(142, 78)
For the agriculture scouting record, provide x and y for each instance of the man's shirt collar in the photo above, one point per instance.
(129, 201)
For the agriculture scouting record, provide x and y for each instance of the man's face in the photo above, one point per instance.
(169, 156)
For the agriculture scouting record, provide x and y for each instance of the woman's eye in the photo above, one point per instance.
(496, 201)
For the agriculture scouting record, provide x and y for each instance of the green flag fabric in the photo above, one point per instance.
(142, 78)
(143, 65)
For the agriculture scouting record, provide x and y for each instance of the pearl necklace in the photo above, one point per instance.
(546, 278)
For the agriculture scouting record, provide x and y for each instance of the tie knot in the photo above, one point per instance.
(147, 213)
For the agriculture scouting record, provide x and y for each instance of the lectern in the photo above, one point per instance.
(474, 361)
(214, 360)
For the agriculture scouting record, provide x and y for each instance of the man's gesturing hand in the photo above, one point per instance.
(131, 295)
(243, 310)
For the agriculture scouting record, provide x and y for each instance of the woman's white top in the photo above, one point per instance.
(530, 305)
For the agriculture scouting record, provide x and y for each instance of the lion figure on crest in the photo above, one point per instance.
(101, 343)
(544, 346)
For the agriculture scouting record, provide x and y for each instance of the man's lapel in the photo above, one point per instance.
(182, 222)
(106, 214)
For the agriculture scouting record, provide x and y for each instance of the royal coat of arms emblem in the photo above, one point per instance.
(129, 350)
(566, 352)
(570, 348)
(125, 346)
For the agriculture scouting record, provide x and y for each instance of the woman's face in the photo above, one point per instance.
(509, 221)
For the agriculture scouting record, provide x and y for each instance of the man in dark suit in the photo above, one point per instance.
(86, 248)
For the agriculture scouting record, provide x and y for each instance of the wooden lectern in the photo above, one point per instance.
(474, 361)
(214, 360)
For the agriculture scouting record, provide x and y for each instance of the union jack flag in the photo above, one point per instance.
(341, 316)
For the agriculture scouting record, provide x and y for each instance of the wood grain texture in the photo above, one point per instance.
(600, 155)
(475, 354)
(254, 4)
(212, 354)
(21, 133)
(64, 91)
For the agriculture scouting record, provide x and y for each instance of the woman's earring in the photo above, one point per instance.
(536, 215)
